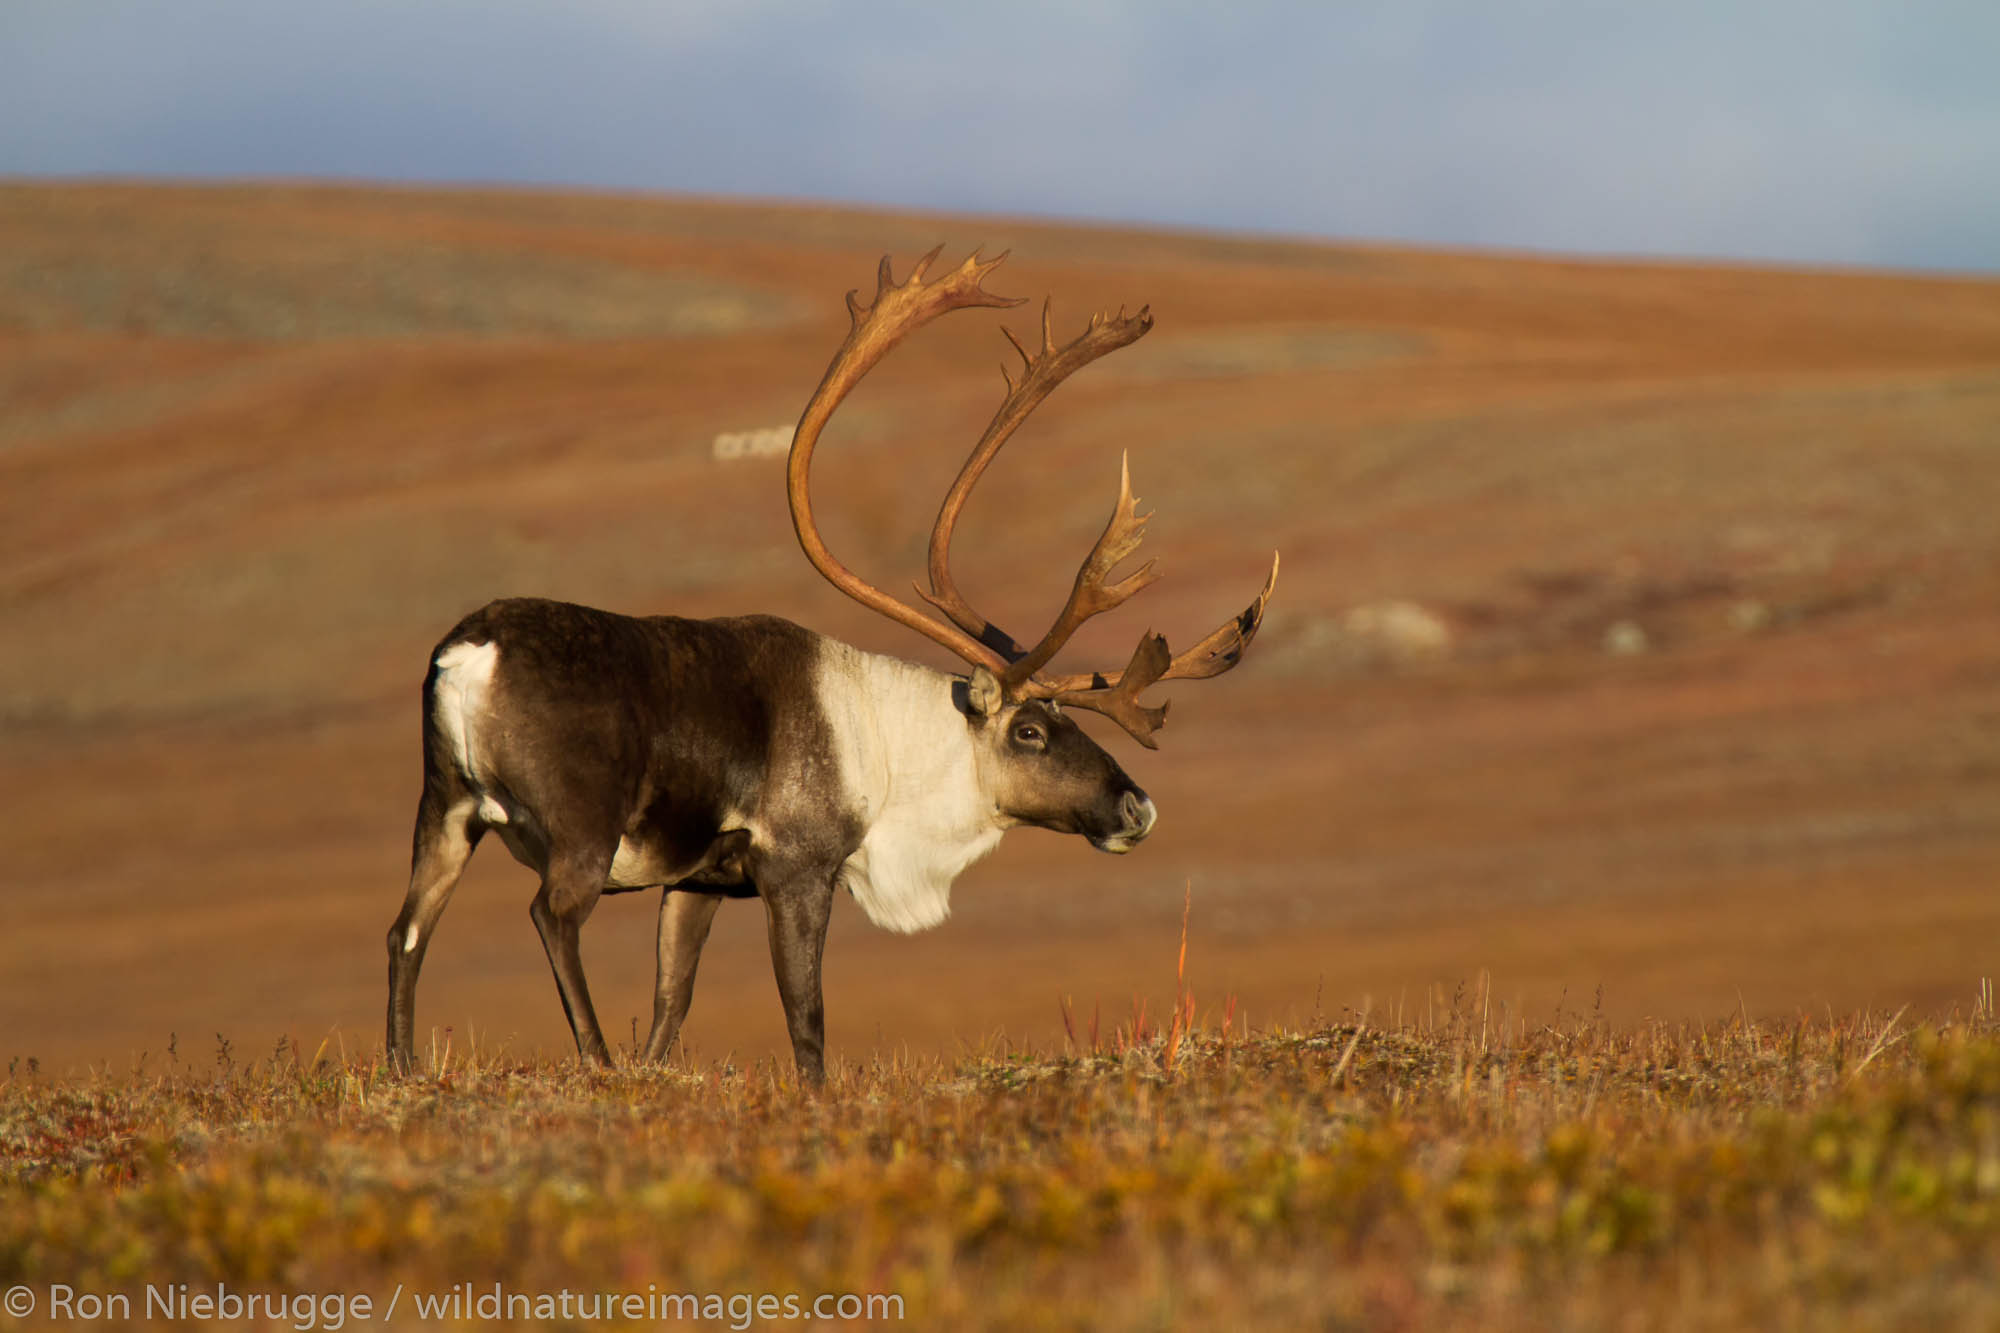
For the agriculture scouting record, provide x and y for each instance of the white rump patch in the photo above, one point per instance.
(464, 678)
(908, 767)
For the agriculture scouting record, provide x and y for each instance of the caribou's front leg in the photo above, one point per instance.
(798, 907)
(685, 917)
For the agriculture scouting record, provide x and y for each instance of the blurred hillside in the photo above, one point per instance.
(1636, 628)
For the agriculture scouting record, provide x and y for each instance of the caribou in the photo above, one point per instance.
(747, 756)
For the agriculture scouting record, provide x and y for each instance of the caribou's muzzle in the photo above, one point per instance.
(1136, 817)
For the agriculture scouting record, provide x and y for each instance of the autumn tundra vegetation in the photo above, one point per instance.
(1453, 1166)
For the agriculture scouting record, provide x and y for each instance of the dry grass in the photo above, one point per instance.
(1463, 1168)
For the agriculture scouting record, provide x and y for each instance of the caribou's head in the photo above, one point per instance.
(1042, 769)
(1039, 766)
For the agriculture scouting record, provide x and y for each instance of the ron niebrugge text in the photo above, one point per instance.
(467, 1301)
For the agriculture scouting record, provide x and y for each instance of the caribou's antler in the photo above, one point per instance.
(1116, 697)
(1093, 593)
(895, 312)
(1040, 374)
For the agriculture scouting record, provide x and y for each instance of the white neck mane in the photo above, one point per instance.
(907, 762)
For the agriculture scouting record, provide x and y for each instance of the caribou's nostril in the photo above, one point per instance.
(1138, 814)
(1136, 817)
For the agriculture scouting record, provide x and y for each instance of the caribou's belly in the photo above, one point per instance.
(637, 866)
(524, 842)
(641, 863)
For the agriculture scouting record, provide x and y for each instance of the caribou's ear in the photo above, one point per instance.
(982, 693)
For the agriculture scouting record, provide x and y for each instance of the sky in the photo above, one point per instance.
(1851, 132)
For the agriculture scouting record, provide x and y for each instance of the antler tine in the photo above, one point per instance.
(1040, 374)
(1224, 647)
(897, 310)
(1093, 594)
(1120, 702)
(1221, 650)
(1027, 359)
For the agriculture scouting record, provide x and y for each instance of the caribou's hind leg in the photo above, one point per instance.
(447, 830)
(685, 917)
(570, 889)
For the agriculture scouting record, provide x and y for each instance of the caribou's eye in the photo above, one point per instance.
(1030, 734)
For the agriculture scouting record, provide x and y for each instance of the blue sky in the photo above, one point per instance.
(1813, 131)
